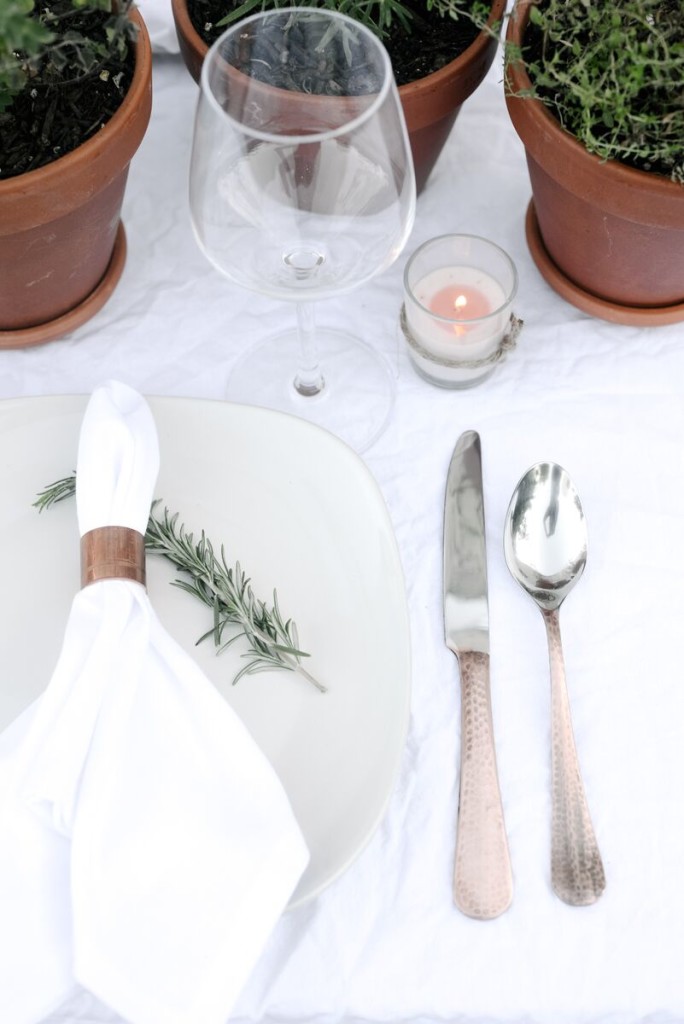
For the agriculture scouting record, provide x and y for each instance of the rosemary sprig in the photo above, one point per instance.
(273, 641)
(58, 491)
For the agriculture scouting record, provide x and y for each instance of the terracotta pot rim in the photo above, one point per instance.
(470, 56)
(179, 9)
(93, 158)
(580, 172)
(434, 80)
(430, 104)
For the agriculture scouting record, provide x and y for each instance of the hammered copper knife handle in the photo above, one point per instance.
(483, 882)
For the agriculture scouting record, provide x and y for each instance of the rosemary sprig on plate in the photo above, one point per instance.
(273, 641)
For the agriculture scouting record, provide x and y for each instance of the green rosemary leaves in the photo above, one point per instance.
(272, 640)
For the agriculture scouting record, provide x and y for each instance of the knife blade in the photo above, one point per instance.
(483, 882)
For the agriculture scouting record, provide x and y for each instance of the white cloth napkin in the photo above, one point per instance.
(147, 847)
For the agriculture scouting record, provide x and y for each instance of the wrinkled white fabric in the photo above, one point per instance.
(384, 943)
(148, 847)
(159, 21)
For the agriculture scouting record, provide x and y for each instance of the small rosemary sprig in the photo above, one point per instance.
(272, 640)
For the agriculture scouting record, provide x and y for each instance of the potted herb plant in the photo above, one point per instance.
(440, 51)
(596, 97)
(75, 102)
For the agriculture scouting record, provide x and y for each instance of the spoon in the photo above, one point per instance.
(545, 544)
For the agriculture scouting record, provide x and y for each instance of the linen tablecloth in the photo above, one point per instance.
(384, 942)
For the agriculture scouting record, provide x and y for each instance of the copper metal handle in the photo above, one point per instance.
(577, 874)
(483, 882)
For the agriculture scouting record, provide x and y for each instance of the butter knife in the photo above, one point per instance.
(483, 883)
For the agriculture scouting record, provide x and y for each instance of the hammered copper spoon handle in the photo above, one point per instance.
(577, 874)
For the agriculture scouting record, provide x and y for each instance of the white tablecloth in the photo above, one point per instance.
(384, 942)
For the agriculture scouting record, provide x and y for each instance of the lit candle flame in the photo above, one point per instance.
(460, 302)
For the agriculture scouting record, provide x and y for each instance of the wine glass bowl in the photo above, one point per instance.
(302, 188)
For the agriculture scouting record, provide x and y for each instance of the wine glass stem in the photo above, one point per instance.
(309, 380)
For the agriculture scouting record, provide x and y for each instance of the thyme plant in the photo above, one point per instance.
(613, 75)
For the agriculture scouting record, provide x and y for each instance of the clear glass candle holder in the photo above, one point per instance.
(457, 317)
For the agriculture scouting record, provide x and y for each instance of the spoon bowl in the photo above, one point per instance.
(545, 541)
(545, 545)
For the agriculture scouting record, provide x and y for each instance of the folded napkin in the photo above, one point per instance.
(147, 847)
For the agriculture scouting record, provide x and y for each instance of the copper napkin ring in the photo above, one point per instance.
(112, 553)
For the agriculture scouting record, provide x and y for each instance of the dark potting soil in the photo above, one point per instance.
(58, 112)
(62, 110)
(432, 43)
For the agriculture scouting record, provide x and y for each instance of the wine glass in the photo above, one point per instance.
(302, 188)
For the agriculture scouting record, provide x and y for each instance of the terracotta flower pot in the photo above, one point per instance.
(62, 245)
(607, 237)
(430, 104)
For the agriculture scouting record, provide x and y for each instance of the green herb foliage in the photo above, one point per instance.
(42, 42)
(613, 74)
(378, 15)
(272, 640)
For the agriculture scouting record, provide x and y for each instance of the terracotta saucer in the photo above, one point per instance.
(635, 316)
(68, 322)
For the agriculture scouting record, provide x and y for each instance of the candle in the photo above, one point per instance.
(456, 313)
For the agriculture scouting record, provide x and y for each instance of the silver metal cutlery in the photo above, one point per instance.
(483, 883)
(545, 545)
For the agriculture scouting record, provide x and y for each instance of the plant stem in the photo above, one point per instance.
(272, 641)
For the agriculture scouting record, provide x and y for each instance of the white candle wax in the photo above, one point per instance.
(455, 337)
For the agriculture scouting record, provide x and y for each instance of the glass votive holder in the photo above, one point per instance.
(457, 317)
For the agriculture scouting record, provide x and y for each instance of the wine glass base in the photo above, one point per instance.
(357, 397)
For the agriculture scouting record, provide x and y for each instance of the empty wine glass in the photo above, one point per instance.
(302, 188)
